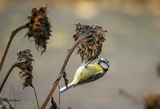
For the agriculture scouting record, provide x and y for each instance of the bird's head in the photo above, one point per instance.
(104, 63)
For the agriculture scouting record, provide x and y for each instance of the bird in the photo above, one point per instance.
(88, 73)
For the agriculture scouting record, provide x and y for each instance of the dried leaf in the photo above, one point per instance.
(54, 105)
(65, 79)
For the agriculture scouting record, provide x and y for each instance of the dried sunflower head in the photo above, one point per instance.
(24, 62)
(39, 27)
(91, 46)
(152, 101)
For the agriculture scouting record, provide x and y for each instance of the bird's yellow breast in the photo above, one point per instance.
(85, 72)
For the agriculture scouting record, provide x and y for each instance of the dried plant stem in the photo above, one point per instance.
(5, 78)
(130, 97)
(61, 72)
(8, 73)
(36, 97)
(9, 43)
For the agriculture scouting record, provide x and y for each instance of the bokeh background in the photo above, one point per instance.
(132, 46)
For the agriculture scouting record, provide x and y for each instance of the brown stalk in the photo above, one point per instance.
(9, 43)
(61, 72)
(8, 73)
(36, 97)
(5, 78)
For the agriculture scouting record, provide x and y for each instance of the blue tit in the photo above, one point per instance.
(89, 73)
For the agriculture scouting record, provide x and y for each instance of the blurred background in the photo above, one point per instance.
(132, 46)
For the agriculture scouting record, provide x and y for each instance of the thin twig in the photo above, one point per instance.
(130, 97)
(59, 96)
(36, 97)
(61, 72)
(8, 73)
(9, 43)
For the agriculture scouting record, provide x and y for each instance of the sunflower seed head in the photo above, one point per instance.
(24, 62)
(39, 27)
(91, 46)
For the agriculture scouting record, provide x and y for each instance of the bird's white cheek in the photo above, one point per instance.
(105, 66)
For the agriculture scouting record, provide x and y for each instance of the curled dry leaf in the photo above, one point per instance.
(54, 105)
(39, 27)
(91, 46)
(65, 79)
(24, 62)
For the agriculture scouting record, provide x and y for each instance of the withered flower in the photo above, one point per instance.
(152, 101)
(54, 105)
(39, 27)
(24, 62)
(91, 46)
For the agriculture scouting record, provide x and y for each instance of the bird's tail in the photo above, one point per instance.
(63, 89)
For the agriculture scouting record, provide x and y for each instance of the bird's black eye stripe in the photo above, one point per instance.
(104, 62)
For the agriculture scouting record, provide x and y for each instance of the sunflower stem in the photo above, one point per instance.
(9, 43)
(61, 72)
(8, 73)
(36, 97)
(5, 78)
